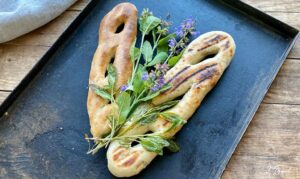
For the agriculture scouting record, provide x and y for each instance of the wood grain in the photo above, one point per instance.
(15, 63)
(3, 95)
(270, 147)
(276, 5)
(293, 20)
(287, 11)
(286, 87)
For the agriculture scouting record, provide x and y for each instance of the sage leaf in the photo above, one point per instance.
(163, 45)
(159, 58)
(146, 25)
(175, 119)
(173, 147)
(140, 110)
(138, 84)
(173, 60)
(147, 51)
(100, 92)
(111, 76)
(153, 95)
(134, 52)
(154, 144)
(150, 96)
(148, 119)
(123, 102)
(165, 105)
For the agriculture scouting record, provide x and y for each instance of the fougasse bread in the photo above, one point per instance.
(113, 46)
(192, 78)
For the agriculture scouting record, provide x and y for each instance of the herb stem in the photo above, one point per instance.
(176, 46)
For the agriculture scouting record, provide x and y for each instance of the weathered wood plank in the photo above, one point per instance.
(293, 20)
(289, 18)
(295, 52)
(270, 147)
(263, 167)
(276, 5)
(79, 6)
(16, 62)
(286, 87)
(3, 95)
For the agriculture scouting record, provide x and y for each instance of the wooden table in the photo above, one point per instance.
(270, 147)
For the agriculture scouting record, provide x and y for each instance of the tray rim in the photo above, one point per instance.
(251, 12)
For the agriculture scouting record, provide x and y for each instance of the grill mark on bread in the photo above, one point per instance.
(226, 46)
(212, 42)
(178, 73)
(206, 69)
(131, 159)
(117, 156)
(166, 123)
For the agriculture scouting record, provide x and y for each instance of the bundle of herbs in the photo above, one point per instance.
(150, 61)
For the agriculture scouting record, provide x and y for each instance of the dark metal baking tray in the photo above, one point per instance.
(42, 133)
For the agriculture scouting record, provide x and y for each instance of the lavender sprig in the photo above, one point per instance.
(186, 28)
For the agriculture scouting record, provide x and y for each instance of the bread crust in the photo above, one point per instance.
(192, 77)
(115, 46)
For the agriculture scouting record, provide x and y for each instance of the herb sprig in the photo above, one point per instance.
(147, 81)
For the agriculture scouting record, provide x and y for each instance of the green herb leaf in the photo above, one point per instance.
(173, 147)
(146, 25)
(153, 95)
(163, 45)
(138, 84)
(159, 58)
(147, 51)
(150, 96)
(111, 76)
(134, 52)
(165, 105)
(165, 87)
(123, 101)
(173, 60)
(148, 119)
(140, 110)
(175, 119)
(100, 92)
(154, 144)
(154, 35)
(126, 142)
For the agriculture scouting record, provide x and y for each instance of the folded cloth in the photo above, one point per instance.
(18, 17)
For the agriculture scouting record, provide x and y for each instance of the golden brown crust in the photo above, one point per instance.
(115, 46)
(190, 77)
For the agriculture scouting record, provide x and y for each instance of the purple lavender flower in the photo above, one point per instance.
(172, 42)
(152, 75)
(186, 27)
(188, 23)
(124, 88)
(164, 68)
(145, 76)
(154, 88)
(179, 31)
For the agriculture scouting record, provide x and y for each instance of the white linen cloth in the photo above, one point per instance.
(18, 17)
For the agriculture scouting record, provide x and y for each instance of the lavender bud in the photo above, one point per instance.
(123, 88)
(154, 88)
(172, 42)
(145, 76)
